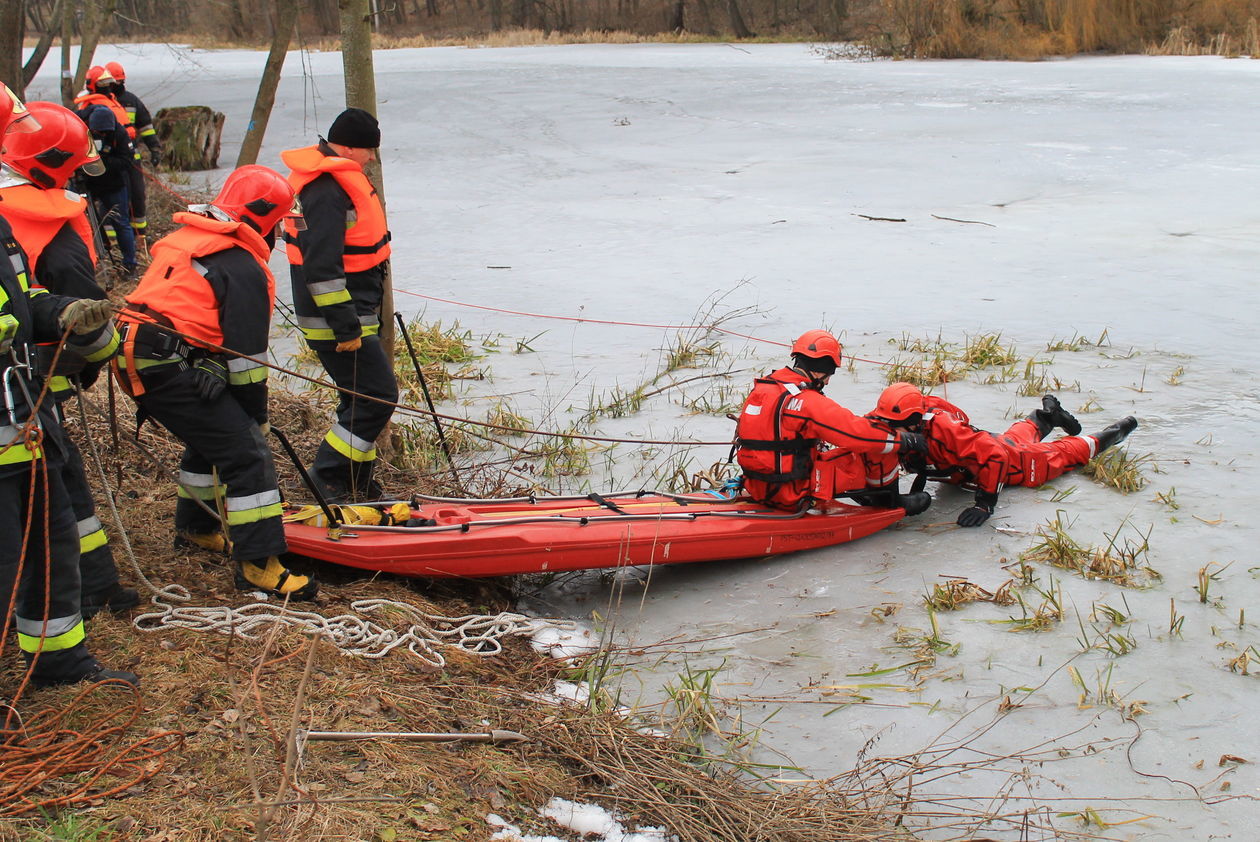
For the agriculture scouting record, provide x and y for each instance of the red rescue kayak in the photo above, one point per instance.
(448, 537)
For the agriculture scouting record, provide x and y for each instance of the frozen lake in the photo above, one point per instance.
(634, 183)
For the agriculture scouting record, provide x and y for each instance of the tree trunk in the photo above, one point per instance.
(496, 15)
(46, 35)
(190, 136)
(677, 22)
(356, 63)
(67, 35)
(737, 20)
(284, 17)
(12, 33)
(95, 15)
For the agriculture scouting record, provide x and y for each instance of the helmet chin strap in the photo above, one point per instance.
(815, 380)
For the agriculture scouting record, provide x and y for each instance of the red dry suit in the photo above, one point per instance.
(989, 461)
(778, 436)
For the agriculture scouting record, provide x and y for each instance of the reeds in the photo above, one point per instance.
(1122, 562)
(1117, 468)
(1019, 29)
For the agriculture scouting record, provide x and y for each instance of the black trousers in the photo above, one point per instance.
(220, 437)
(346, 458)
(97, 571)
(48, 584)
(136, 196)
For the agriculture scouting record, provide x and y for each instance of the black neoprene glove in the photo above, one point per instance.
(985, 503)
(909, 442)
(210, 375)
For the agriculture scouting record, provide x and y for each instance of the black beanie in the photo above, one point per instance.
(355, 128)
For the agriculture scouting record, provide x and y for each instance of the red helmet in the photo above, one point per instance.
(14, 116)
(97, 78)
(900, 401)
(49, 156)
(259, 196)
(817, 344)
(116, 70)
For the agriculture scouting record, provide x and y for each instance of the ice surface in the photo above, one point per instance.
(634, 182)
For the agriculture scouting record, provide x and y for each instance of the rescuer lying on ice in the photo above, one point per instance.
(202, 309)
(962, 454)
(785, 423)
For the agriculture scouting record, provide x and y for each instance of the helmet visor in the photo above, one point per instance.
(20, 120)
(93, 165)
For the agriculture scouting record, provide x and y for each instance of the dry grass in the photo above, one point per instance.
(1031, 29)
(1122, 561)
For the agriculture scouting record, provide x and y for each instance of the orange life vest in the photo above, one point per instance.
(82, 101)
(367, 237)
(173, 287)
(769, 450)
(36, 215)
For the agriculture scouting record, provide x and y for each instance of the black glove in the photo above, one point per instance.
(210, 375)
(155, 157)
(979, 513)
(909, 442)
(914, 462)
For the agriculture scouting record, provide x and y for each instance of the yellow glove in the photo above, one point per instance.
(8, 332)
(84, 315)
(349, 345)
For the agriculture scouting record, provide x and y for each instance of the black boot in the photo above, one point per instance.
(915, 502)
(1115, 434)
(70, 666)
(1051, 415)
(116, 600)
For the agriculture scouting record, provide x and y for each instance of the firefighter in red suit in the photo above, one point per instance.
(193, 332)
(786, 422)
(961, 453)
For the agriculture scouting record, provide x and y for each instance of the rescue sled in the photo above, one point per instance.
(454, 537)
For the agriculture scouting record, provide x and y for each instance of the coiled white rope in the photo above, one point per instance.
(420, 633)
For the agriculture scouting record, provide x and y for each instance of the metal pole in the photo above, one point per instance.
(497, 737)
(333, 520)
(428, 399)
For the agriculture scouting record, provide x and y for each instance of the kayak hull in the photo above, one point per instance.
(501, 538)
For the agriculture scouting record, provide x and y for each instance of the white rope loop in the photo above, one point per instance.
(351, 634)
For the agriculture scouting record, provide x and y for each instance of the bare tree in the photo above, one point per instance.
(47, 33)
(96, 14)
(284, 16)
(12, 33)
(740, 29)
(360, 76)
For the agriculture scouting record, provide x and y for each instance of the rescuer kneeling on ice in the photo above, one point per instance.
(785, 422)
(961, 454)
(193, 332)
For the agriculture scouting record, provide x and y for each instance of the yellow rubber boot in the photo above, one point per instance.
(213, 541)
(270, 576)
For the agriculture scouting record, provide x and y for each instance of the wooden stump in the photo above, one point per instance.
(190, 136)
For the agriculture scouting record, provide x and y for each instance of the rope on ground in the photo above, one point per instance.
(353, 635)
(83, 766)
(421, 634)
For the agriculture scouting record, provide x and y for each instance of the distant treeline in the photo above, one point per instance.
(902, 28)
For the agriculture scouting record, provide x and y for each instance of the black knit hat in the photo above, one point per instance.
(355, 128)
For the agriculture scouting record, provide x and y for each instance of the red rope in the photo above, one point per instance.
(552, 316)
